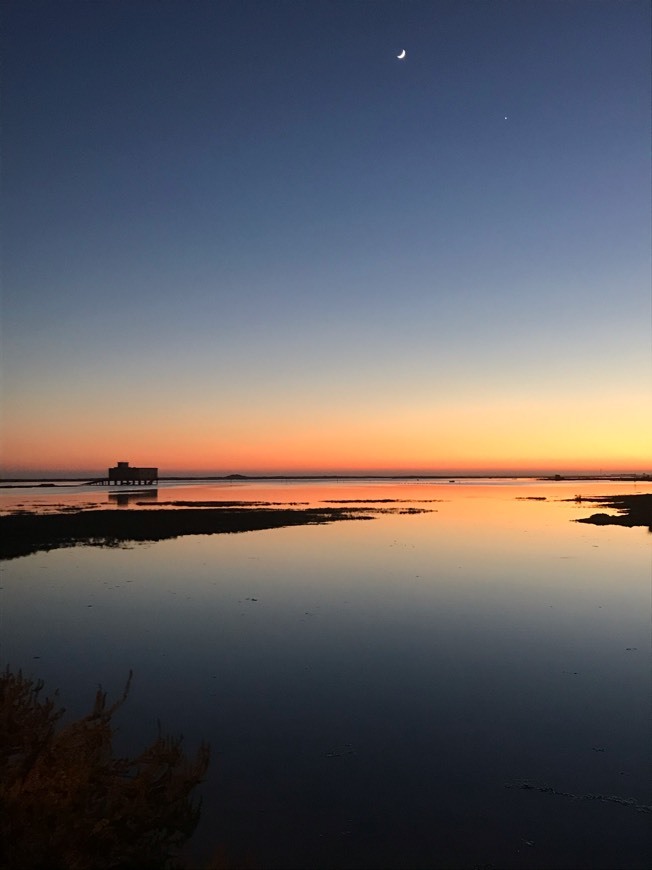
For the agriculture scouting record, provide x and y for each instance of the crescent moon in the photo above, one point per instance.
(401, 55)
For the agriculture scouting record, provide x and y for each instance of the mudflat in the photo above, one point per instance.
(25, 533)
(633, 510)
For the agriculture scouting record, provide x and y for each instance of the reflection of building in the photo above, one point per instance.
(123, 473)
(124, 499)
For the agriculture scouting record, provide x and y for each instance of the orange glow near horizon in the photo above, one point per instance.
(471, 438)
(415, 445)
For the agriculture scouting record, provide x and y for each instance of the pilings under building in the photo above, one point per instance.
(123, 474)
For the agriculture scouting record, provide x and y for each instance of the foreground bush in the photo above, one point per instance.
(67, 802)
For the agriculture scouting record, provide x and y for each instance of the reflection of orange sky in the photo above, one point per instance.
(481, 509)
(466, 438)
(470, 497)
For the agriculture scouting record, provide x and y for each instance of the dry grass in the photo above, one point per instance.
(66, 801)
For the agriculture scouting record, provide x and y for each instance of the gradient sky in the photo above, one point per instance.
(245, 237)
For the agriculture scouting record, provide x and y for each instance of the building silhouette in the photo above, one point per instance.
(123, 474)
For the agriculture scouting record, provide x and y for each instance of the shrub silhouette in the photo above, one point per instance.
(67, 802)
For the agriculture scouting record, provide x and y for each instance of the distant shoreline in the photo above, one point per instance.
(48, 482)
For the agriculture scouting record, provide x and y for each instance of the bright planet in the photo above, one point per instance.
(401, 55)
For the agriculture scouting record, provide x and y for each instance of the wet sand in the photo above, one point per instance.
(634, 510)
(25, 533)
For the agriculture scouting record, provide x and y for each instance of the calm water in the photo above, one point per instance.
(370, 688)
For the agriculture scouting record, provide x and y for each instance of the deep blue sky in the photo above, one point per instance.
(252, 216)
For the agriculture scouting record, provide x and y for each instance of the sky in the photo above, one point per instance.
(244, 237)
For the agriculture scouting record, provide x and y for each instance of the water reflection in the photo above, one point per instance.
(371, 688)
(124, 499)
(314, 492)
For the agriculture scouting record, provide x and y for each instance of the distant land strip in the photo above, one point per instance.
(450, 477)
(633, 510)
(25, 533)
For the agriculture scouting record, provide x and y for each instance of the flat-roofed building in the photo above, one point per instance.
(123, 473)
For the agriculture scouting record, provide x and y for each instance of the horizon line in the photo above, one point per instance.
(48, 475)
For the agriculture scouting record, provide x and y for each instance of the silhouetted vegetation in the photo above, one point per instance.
(66, 801)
